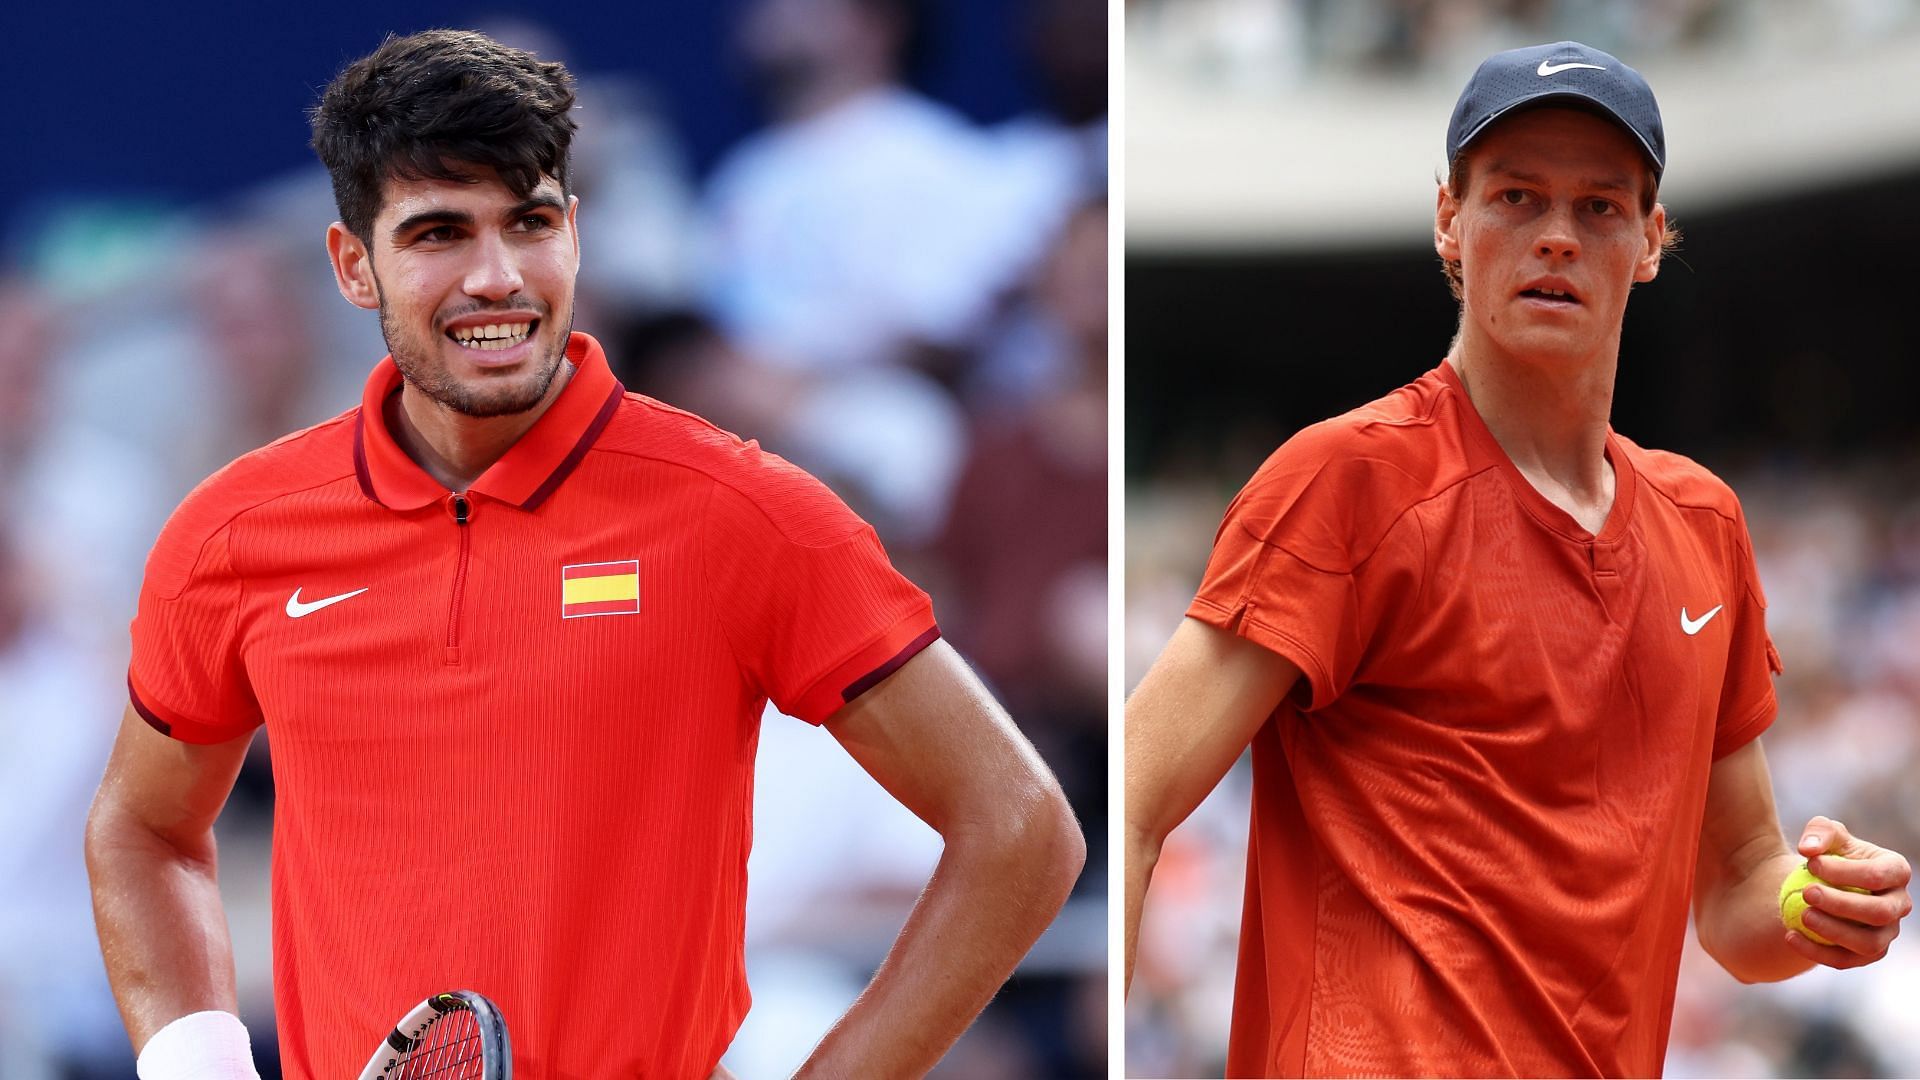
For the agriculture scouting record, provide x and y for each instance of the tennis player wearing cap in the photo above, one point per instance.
(1503, 670)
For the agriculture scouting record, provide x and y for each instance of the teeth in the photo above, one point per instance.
(493, 336)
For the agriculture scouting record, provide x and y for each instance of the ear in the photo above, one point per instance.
(1446, 217)
(1656, 228)
(352, 267)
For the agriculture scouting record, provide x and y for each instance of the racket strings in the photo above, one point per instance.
(451, 1049)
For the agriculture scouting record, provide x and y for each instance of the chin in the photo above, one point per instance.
(1552, 351)
(495, 397)
(1532, 340)
(505, 393)
(487, 406)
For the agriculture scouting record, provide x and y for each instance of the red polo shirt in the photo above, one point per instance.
(1475, 821)
(514, 729)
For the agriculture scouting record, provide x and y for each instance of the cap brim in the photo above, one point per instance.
(1564, 94)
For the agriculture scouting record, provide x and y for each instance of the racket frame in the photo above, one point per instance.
(496, 1051)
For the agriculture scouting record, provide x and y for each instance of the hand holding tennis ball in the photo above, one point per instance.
(1853, 890)
(1793, 900)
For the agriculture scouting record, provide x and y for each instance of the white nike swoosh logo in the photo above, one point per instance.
(1691, 627)
(1547, 69)
(296, 609)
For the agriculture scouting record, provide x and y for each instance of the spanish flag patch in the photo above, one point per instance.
(601, 588)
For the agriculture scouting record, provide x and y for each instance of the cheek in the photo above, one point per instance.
(1487, 241)
(415, 287)
(556, 263)
(551, 275)
(1483, 254)
(1624, 255)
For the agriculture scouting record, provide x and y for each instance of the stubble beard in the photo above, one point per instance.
(420, 366)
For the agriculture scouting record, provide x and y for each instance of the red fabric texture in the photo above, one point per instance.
(1475, 820)
(474, 792)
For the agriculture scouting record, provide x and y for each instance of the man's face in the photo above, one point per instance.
(1550, 234)
(474, 287)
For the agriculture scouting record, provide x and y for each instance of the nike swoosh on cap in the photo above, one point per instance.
(1547, 69)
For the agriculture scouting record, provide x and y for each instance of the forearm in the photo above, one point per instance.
(996, 888)
(1739, 925)
(1192, 716)
(1143, 851)
(163, 930)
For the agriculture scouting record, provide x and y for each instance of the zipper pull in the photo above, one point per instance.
(460, 509)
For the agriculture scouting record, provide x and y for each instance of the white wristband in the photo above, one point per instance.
(199, 1046)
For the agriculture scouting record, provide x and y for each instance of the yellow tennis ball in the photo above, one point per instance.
(1793, 905)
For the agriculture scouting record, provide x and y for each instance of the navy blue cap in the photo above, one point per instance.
(1564, 71)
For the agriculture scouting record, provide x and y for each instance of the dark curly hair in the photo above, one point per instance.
(436, 105)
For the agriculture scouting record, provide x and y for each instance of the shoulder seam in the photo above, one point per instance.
(1391, 525)
(1426, 553)
(282, 440)
(718, 481)
(314, 429)
(239, 604)
(225, 524)
(1682, 504)
(746, 676)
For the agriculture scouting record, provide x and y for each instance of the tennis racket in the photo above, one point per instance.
(456, 1036)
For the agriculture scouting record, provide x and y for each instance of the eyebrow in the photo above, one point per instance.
(1523, 175)
(460, 217)
(537, 202)
(431, 217)
(1610, 183)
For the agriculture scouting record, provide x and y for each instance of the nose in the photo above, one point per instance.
(495, 272)
(1558, 237)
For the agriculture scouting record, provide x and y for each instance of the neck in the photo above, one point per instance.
(454, 448)
(1549, 417)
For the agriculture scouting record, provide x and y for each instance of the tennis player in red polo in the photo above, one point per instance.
(1503, 670)
(512, 629)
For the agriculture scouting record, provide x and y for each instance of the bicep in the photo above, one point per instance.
(1740, 828)
(935, 738)
(1197, 708)
(174, 789)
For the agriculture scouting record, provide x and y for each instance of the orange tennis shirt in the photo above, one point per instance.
(1475, 820)
(514, 730)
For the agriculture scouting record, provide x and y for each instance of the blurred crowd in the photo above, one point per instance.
(908, 304)
(1275, 44)
(1838, 547)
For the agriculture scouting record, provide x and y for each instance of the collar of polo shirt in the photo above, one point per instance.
(531, 468)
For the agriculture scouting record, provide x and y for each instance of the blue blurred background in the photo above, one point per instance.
(192, 105)
(900, 285)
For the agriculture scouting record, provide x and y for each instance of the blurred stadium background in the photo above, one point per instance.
(1280, 159)
(904, 292)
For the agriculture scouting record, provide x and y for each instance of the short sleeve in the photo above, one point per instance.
(1747, 703)
(186, 677)
(814, 611)
(1310, 563)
